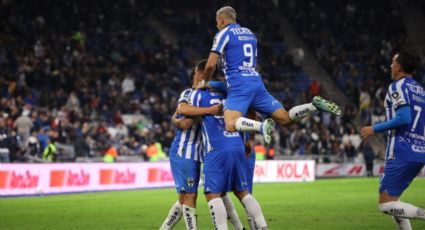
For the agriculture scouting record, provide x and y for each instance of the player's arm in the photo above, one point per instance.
(402, 117)
(182, 122)
(190, 110)
(211, 65)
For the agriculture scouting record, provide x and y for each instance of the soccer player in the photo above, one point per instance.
(190, 110)
(224, 165)
(405, 125)
(185, 159)
(237, 46)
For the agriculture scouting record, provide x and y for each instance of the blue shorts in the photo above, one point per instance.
(225, 170)
(244, 92)
(398, 175)
(186, 173)
(250, 167)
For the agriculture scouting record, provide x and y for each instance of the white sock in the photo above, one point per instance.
(403, 210)
(244, 124)
(251, 223)
(189, 217)
(402, 224)
(218, 213)
(231, 212)
(173, 217)
(300, 111)
(253, 209)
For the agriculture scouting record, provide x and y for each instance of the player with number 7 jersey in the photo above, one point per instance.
(405, 154)
(406, 142)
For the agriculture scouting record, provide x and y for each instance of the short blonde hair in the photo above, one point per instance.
(227, 12)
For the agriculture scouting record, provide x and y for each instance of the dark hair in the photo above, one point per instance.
(201, 64)
(408, 61)
(201, 67)
(192, 76)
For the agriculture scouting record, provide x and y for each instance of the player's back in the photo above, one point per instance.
(407, 142)
(188, 143)
(238, 47)
(214, 134)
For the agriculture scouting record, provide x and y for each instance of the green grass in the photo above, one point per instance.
(324, 204)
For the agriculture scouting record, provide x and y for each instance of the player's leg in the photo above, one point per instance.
(231, 212)
(250, 167)
(396, 178)
(189, 210)
(174, 215)
(176, 211)
(191, 175)
(252, 208)
(239, 97)
(215, 174)
(299, 112)
(217, 210)
(264, 102)
(240, 186)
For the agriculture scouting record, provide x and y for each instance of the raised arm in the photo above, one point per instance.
(211, 65)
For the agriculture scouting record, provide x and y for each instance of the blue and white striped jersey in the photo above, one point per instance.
(214, 134)
(188, 143)
(406, 142)
(237, 47)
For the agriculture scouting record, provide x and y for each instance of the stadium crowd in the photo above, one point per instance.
(76, 70)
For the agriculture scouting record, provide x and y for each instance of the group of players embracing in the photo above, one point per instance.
(221, 140)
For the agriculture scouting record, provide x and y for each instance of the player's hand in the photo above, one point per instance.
(216, 109)
(366, 132)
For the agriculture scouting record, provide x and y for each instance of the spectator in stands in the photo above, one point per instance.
(369, 157)
(23, 126)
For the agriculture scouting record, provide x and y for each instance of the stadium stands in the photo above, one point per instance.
(80, 68)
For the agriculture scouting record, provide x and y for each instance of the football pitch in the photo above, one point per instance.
(323, 204)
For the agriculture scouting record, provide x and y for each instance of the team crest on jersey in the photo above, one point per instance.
(395, 95)
(190, 182)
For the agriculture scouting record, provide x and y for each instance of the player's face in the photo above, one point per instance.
(220, 22)
(395, 67)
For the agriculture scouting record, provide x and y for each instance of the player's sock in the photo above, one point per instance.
(401, 209)
(173, 216)
(189, 217)
(251, 223)
(300, 111)
(244, 124)
(218, 213)
(231, 212)
(402, 224)
(253, 209)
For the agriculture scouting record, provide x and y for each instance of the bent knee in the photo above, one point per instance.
(281, 116)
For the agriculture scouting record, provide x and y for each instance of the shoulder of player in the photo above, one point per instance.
(186, 91)
(397, 85)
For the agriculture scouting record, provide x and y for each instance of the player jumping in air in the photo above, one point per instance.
(237, 48)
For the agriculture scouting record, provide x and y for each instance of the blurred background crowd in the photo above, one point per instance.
(81, 80)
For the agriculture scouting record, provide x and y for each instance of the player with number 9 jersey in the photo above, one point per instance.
(237, 47)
